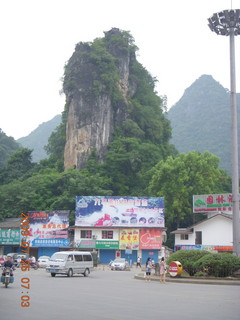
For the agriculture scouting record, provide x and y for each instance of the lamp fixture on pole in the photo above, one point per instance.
(227, 23)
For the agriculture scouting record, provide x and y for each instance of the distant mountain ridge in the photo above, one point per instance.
(38, 138)
(201, 120)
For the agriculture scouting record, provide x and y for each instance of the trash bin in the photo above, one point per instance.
(175, 268)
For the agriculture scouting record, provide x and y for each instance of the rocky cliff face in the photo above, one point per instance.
(97, 86)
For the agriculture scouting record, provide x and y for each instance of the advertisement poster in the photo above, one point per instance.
(48, 229)
(96, 211)
(212, 202)
(129, 239)
(10, 236)
(150, 239)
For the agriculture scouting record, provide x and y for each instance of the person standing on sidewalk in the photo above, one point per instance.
(163, 269)
(148, 269)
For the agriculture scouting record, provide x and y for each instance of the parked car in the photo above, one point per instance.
(120, 264)
(2, 259)
(42, 261)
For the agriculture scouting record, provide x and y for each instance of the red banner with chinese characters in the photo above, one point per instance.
(150, 239)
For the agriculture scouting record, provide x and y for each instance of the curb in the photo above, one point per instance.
(230, 282)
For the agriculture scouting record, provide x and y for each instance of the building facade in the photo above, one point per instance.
(213, 234)
(129, 243)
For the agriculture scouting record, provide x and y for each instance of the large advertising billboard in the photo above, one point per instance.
(97, 211)
(48, 229)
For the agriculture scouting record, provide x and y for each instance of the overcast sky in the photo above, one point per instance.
(39, 36)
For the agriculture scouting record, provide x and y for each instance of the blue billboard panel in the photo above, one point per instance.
(97, 211)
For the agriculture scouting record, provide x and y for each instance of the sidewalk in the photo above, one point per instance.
(229, 282)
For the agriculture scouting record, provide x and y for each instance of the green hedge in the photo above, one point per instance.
(188, 259)
(218, 265)
(206, 263)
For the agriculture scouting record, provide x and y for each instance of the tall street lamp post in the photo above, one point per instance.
(227, 23)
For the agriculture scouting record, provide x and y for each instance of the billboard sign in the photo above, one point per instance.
(97, 211)
(129, 239)
(150, 239)
(210, 248)
(212, 203)
(107, 244)
(48, 229)
(85, 243)
(9, 236)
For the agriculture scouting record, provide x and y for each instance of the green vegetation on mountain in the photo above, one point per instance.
(7, 146)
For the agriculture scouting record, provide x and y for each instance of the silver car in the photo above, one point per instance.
(42, 261)
(120, 264)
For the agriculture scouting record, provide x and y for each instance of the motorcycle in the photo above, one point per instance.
(34, 265)
(7, 277)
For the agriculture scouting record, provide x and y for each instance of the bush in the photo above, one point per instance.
(188, 258)
(218, 264)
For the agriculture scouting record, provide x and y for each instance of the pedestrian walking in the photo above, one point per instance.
(139, 262)
(163, 269)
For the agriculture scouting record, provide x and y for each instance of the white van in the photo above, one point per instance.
(70, 263)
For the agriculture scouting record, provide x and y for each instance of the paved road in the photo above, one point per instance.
(116, 295)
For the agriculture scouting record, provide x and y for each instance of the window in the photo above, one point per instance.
(107, 234)
(87, 257)
(70, 257)
(86, 234)
(184, 236)
(198, 239)
(78, 257)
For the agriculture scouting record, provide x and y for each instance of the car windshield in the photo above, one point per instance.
(58, 257)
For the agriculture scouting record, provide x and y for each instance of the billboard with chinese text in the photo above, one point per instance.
(210, 248)
(10, 236)
(212, 202)
(107, 244)
(150, 239)
(129, 239)
(97, 211)
(48, 229)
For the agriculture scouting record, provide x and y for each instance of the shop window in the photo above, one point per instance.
(107, 234)
(184, 236)
(86, 234)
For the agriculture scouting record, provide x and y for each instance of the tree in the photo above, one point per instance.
(126, 162)
(7, 146)
(18, 165)
(178, 179)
